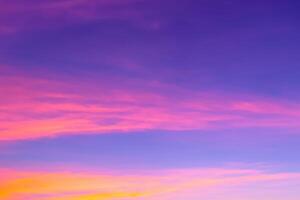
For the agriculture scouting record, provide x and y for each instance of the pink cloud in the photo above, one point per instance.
(38, 107)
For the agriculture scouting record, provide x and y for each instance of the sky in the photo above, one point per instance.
(149, 100)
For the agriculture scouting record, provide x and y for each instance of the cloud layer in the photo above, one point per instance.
(43, 107)
(162, 184)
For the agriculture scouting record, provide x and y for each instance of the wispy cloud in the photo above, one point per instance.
(19, 15)
(161, 184)
(40, 107)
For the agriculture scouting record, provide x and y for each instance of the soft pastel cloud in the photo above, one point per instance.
(162, 184)
(42, 107)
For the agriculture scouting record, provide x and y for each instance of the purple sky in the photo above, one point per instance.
(139, 87)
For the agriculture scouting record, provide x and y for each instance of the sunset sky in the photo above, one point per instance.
(149, 100)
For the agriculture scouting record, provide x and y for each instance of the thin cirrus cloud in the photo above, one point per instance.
(42, 107)
(19, 15)
(162, 184)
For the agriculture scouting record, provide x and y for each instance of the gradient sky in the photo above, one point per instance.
(149, 100)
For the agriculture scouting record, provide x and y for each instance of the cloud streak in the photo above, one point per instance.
(162, 184)
(41, 107)
(20, 16)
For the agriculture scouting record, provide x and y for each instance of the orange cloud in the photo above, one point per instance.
(21, 185)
